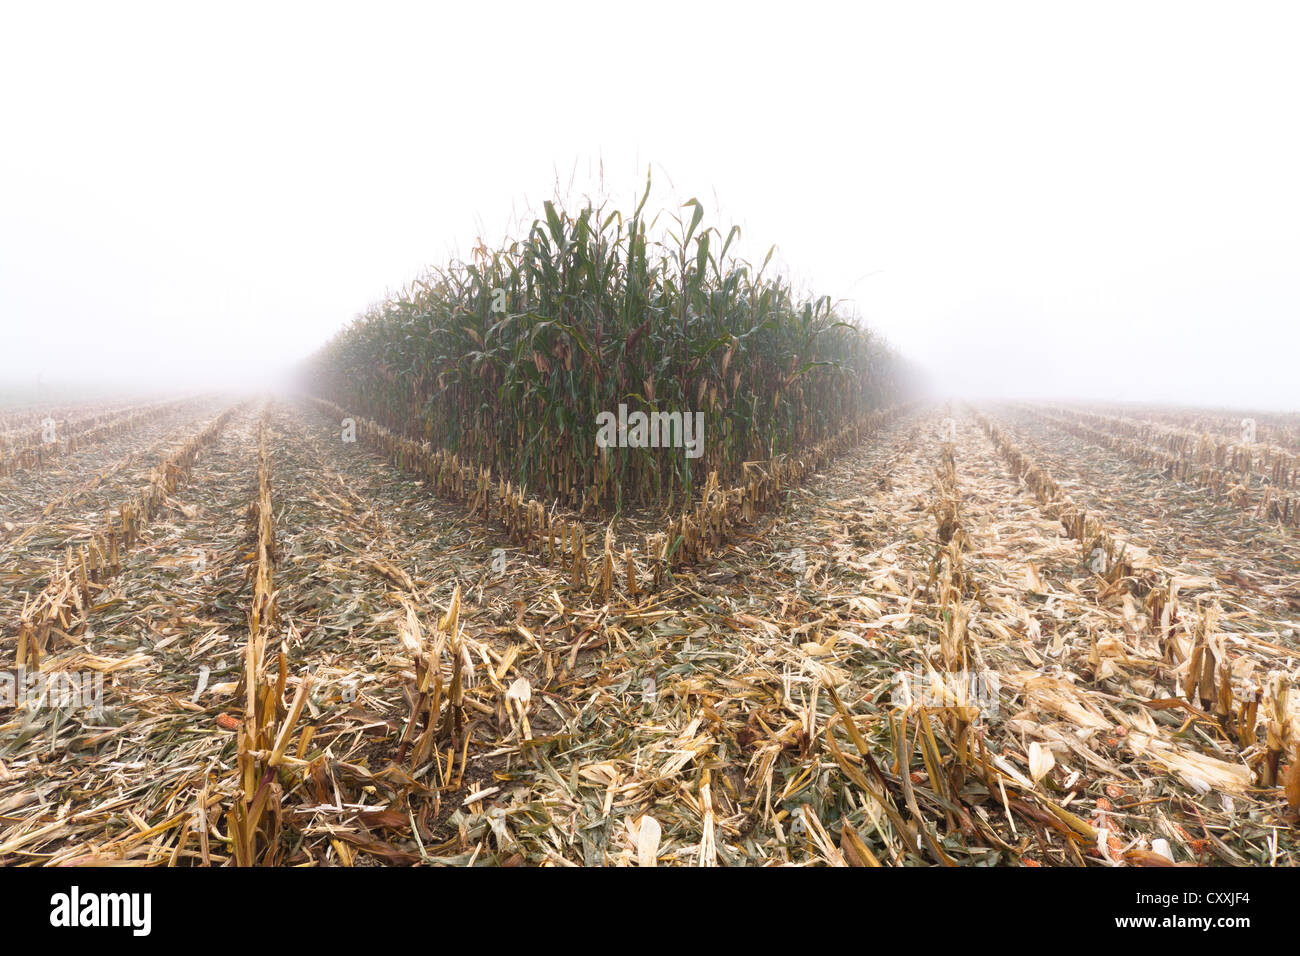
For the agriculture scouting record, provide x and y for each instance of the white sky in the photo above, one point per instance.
(1094, 201)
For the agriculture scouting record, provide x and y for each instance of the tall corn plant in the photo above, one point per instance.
(509, 358)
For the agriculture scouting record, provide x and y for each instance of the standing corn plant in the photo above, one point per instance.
(509, 358)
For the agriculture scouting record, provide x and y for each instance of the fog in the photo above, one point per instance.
(1027, 200)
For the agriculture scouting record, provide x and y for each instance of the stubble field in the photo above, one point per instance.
(953, 635)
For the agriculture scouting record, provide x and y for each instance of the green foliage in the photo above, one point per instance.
(593, 312)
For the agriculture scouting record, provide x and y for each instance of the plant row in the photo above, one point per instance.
(511, 359)
(1193, 649)
(687, 537)
(33, 451)
(61, 606)
(1191, 459)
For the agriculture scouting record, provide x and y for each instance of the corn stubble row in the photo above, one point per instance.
(1251, 476)
(687, 538)
(958, 652)
(256, 814)
(1195, 651)
(84, 488)
(437, 705)
(272, 752)
(1266, 462)
(506, 361)
(14, 421)
(62, 605)
(943, 731)
(1281, 429)
(27, 429)
(699, 532)
(31, 451)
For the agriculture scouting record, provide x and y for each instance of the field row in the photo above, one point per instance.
(1252, 476)
(1271, 428)
(919, 646)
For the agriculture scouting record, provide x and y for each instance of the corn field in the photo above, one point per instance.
(507, 360)
(441, 437)
(417, 614)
